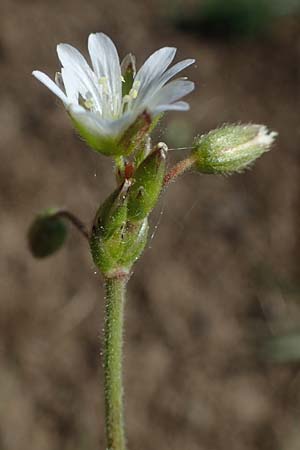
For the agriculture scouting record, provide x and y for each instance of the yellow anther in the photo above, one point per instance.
(103, 82)
(133, 93)
(88, 103)
(126, 98)
(136, 85)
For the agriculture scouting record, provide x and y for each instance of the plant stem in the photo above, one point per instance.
(179, 169)
(113, 342)
(74, 220)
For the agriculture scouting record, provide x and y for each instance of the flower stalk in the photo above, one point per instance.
(179, 169)
(113, 345)
(65, 214)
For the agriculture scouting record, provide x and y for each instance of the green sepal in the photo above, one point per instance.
(147, 185)
(136, 134)
(119, 252)
(106, 252)
(112, 214)
(107, 145)
(128, 69)
(231, 148)
(134, 241)
(143, 150)
(123, 145)
(46, 234)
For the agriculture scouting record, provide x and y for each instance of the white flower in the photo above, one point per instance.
(93, 96)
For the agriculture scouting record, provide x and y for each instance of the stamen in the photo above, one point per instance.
(133, 93)
(136, 84)
(180, 148)
(103, 82)
(135, 89)
(126, 98)
(88, 103)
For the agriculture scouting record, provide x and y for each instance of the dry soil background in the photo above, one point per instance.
(221, 274)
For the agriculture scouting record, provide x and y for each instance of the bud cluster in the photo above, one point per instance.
(120, 229)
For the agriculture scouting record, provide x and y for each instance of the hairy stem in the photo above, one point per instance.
(113, 342)
(179, 169)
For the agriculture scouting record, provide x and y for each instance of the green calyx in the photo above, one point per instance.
(115, 242)
(128, 68)
(147, 184)
(120, 145)
(112, 214)
(46, 234)
(231, 148)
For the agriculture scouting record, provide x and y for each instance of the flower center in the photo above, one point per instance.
(130, 97)
(111, 106)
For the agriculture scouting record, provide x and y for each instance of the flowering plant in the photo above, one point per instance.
(114, 108)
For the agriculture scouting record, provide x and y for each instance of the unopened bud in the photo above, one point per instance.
(148, 180)
(46, 234)
(116, 243)
(231, 148)
(112, 214)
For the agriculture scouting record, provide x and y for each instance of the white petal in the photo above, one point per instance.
(70, 56)
(43, 78)
(170, 73)
(106, 63)
(171, 92)
(117, 127)
(97, 126)
(150, 91)
(74, 62)
(72, 85)
(154, 67)
(178, 106)
(90, 121)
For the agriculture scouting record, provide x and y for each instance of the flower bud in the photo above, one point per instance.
(46, 234)
(116, 243)
(112, 215)
(231, 148)
(148, 180)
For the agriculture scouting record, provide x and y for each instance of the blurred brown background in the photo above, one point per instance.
(220, 277)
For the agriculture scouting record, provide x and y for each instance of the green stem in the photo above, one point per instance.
(113, 342)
